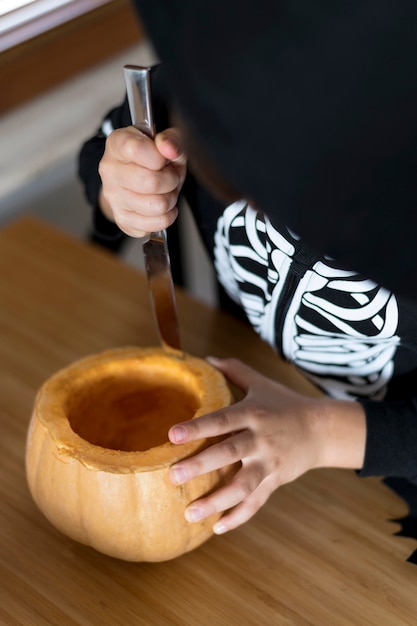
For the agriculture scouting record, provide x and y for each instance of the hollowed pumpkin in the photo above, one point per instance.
(98, 454)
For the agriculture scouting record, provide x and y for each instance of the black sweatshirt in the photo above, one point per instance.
(351, 337)
(308, 107)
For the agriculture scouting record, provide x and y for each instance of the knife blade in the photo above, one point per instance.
(155, 248)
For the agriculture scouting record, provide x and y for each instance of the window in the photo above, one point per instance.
(44, 42)
(21, 20)
(11, 5)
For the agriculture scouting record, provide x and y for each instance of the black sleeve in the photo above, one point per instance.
(88, 162)
(93, 149)
(391, 448)
(391, 445)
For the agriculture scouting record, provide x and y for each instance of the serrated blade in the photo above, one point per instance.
(155, 248)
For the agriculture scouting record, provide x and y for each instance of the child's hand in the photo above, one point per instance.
(141, 179)
(277, 434)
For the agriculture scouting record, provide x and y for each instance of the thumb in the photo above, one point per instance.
(236, 372)
(169, 144)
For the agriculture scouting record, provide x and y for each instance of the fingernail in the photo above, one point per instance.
(194, 515)
(219, 528)
(178, 434)
(175, 145)
(179, 474)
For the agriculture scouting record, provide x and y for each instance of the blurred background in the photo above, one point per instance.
(61, 70)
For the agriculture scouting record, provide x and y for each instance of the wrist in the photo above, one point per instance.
(339, 426)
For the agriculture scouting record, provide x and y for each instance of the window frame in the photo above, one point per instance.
(66, 46)
(39, 17)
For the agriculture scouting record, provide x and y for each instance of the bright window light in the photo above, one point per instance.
(21, 20)
(7, 6)
(15, 12)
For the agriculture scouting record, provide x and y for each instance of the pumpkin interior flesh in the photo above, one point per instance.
(129, 413)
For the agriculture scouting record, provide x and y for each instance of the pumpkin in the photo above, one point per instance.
(98, 454)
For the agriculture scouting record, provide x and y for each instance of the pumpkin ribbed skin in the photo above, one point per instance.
(97, 453)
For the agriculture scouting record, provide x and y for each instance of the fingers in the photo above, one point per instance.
(272, 432)
(224, 421)
(138, 226)
(219, 455)
(263, 432)
(141, 179)
(242, 498)
(244, 511)
(129, 145)
(244, 484)
(242, 492)
(236, 371)
(140, 184)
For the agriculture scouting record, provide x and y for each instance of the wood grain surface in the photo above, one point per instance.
(321, 552)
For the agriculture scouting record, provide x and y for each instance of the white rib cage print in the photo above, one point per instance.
(336, 326)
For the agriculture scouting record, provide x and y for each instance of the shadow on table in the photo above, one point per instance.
(407, 491)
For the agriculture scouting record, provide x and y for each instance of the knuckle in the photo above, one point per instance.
(248, 483)
(252, 508)
(195, 466)
(276, 466)
(157, 207)
(257, 416)
(122, 222)
(233, 362)
(112, 140)
(230, 450)
(128, 146)
(245, 488)
(162, 222)
(221, 421)
(172, 216)
(104, 168)
(125, 221)
(162, 204)
(150, 183)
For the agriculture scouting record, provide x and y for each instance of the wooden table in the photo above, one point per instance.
(321, 552)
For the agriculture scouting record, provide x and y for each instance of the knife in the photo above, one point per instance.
(155, 248)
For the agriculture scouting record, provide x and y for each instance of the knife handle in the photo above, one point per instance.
(138, 86)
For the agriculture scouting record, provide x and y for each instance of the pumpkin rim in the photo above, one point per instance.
(51, 402)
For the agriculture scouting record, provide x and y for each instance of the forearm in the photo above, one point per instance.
(379, 438)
